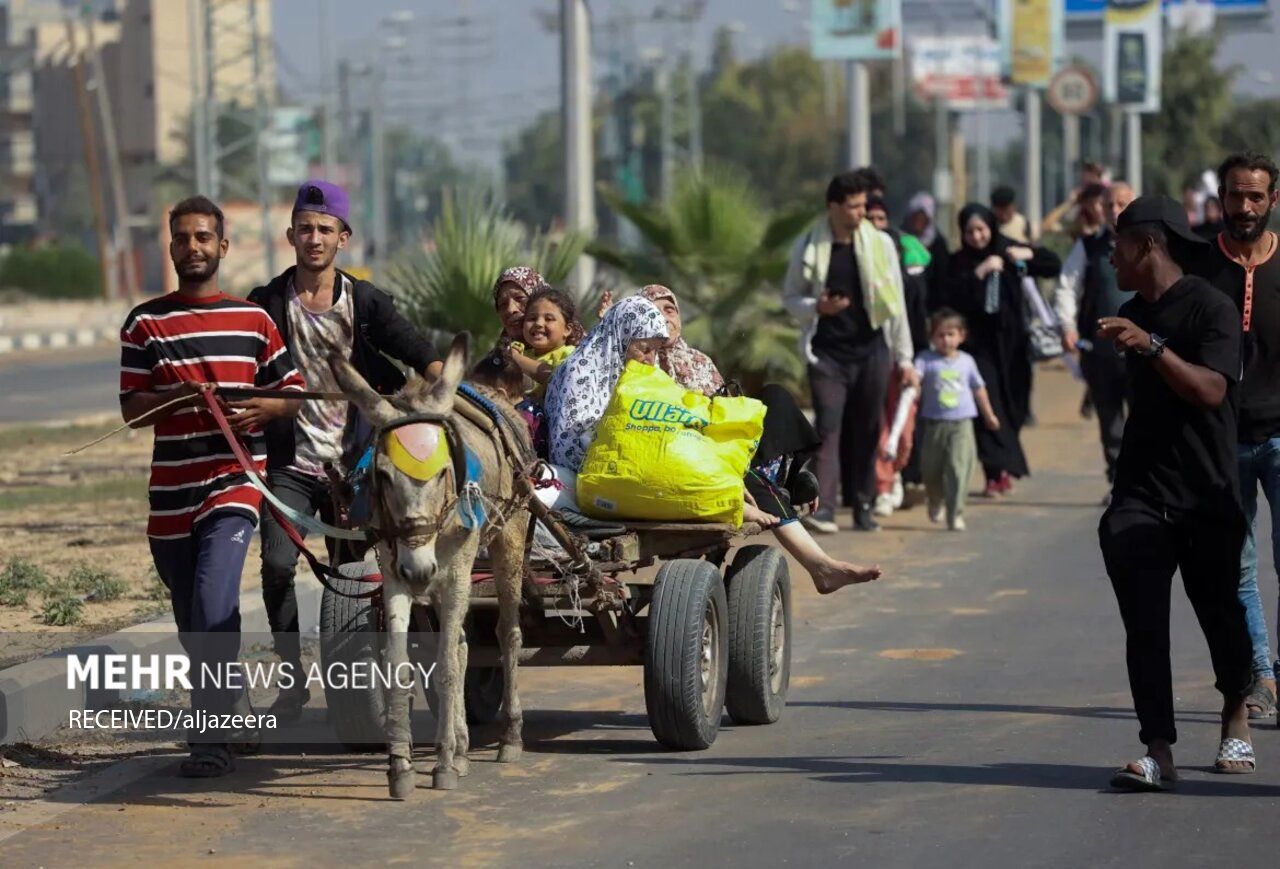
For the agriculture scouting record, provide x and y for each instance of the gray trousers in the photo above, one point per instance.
(946, 463)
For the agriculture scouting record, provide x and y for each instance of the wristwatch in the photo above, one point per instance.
(1157, 346)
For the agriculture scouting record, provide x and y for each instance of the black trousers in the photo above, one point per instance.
(848, 401)
(306, 494)
(1108, 381)
(1142, 546)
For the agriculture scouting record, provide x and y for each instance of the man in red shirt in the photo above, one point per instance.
(203, 507)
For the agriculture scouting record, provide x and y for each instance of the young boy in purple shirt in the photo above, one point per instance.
(952, 394)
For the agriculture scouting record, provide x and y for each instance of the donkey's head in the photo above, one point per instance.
(415, 482)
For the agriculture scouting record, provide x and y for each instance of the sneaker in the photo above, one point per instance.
(863, 520)
(884, 505)
(936, 512)
(956, 523)
(822, 522)
(992, 489)
(898, 494)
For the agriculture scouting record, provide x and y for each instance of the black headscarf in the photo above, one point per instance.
(968, 257)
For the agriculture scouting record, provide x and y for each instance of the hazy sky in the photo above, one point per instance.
(504, 68)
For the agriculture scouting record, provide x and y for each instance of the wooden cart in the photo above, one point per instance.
(711, 631)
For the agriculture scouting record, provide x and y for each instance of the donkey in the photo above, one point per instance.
(426, 553)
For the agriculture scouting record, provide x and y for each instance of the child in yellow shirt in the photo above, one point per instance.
(551, 334)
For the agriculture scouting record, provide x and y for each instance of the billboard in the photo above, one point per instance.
(1031, 33)
(963, 71)
(857, 29)
(1095, 8)
(1132, 42)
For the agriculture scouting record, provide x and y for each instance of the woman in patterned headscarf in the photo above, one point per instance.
(581, 389)
(691, 368)
(511, 292)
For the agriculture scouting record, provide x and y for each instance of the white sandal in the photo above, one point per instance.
(1150, 779)
(1237, 750)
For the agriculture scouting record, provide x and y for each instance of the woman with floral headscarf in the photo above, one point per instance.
(511, 292)
(776, 479)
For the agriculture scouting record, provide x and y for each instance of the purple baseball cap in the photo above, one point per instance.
(324, 197)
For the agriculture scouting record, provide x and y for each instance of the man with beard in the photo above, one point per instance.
(1175, 504)
(1242, 262)
(318, 308)
(174, 349)
(1088, 291)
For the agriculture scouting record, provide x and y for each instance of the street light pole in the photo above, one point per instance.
(575, 113)
(858, 83)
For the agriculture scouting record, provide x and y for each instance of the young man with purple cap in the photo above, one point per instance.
(1175, 504)
(316, 306)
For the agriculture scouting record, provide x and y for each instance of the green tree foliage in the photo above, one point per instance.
(724, 255)
(57, 271)
(1196, 108)
(449, 287)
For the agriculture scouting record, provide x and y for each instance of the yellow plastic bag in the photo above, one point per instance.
(663, 453)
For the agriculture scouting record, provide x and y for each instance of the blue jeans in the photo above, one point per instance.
(1259, 463)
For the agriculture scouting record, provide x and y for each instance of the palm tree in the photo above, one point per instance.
(725, 256)
(448, 288)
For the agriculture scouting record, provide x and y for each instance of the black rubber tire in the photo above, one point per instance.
(482, 689)
(759, 673)
(684, 710)
(350, 633)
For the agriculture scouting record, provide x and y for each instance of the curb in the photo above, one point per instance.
(57, 340)
(34, 697)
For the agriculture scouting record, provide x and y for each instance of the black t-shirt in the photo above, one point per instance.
(1177, 456)
(1259, 419)
(847, 336)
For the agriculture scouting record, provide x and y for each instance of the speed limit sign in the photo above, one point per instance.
(1072, 91)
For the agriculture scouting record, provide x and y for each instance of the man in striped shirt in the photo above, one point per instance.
(203, 508)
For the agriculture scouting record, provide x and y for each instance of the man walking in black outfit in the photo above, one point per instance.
(1088, 291)
(1176, 500)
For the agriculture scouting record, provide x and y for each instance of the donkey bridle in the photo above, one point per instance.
(415, 532)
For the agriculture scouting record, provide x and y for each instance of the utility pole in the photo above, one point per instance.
(326, 106)
(1032, 163)
(1070, 151)
(121, 231)
(106, 261)
(378, 164)
(261, 125)
(695, 115)
(575, 113)
(857, 83)
(943, 179)
(1133, 150)
(199, 138)
(210, 113)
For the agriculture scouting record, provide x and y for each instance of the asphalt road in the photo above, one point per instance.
(47, 386)
(965, 711)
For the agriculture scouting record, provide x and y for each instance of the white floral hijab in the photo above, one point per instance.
(581, 388)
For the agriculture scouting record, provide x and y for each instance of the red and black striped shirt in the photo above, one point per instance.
(219, 339)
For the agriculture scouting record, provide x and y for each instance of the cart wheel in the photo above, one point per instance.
(482, 687)
(482, 690)
(685, 659)
(759, 635)
(349, 634)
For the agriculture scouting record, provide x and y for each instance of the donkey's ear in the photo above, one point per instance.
(455, 367)
(376, 409)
